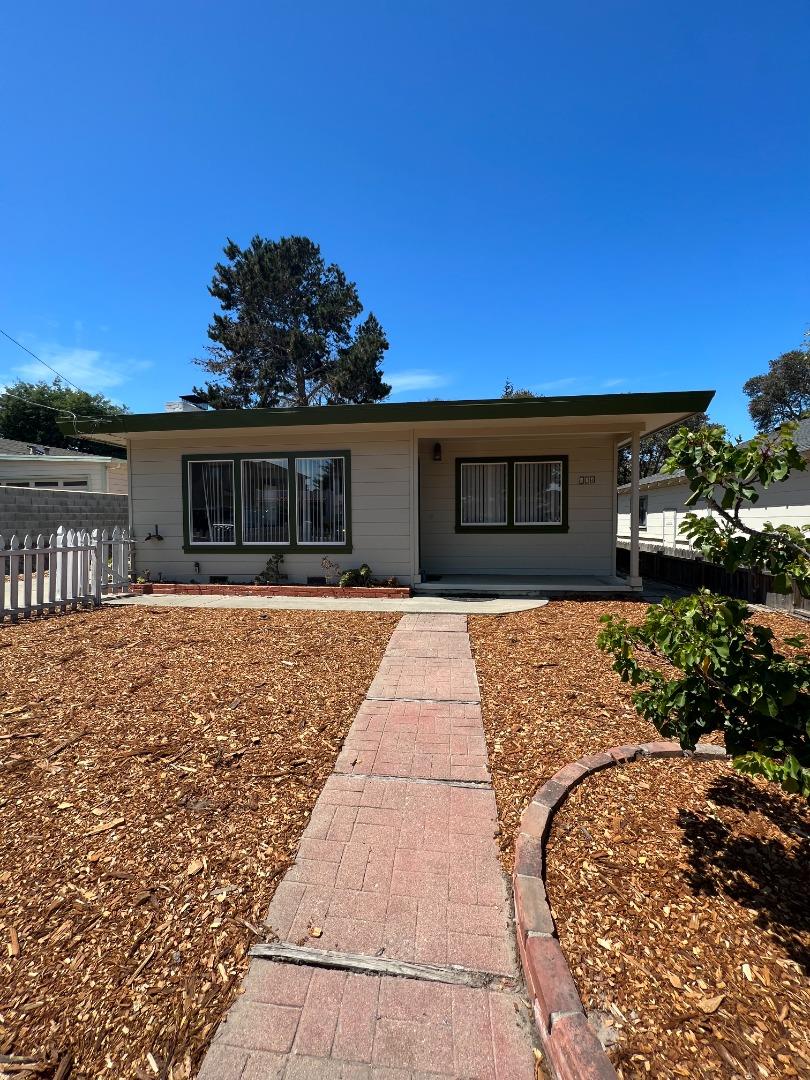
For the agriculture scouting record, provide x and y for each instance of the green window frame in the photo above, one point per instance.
(244, 547)
(511, 525)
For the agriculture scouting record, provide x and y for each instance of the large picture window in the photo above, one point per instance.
(526, 494)
(267, 502)
(211, 502)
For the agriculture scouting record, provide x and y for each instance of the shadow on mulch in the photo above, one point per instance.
(760, 873)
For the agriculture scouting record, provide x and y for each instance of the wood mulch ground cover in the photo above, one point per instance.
(549, 695)
(680, 889)
(157, 768)
(680, 892)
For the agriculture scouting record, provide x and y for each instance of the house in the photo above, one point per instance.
(662, 505)
(492, 495)
(25, 464)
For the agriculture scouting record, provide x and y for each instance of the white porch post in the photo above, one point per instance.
(635, 579)
(416, 555)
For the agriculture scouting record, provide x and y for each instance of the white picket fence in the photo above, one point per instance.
(70, 569)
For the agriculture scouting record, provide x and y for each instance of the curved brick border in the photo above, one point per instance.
(572, 1050)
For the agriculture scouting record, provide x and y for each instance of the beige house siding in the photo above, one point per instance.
(587, 547)
(41, 469)
(117, 477)
(380, 501)
(787, 503)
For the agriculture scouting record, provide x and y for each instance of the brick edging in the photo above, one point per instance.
(159, 588)
(571, 1047)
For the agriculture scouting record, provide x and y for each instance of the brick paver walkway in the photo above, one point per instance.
(398, 863)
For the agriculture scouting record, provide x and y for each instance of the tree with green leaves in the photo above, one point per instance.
(29, 412)
(512, 393)
(289, 333)
(782, 394)
(654, 449)
(700, 664)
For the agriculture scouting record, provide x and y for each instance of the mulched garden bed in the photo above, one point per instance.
(549, 696)
(680, 892)
(680, 889)
(157, 768)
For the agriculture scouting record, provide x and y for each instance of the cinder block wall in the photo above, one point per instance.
(43, 510)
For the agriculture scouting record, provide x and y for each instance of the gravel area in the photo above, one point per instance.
(158, 768)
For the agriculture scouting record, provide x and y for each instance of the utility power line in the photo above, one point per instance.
(41, 361)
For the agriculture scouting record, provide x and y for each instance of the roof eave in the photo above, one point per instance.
(669, 404)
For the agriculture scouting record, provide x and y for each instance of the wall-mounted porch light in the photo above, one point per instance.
(437, 451)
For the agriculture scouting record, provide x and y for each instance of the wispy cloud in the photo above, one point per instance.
(414, 379)
(556, 384)
(608, 384)
(94, 370)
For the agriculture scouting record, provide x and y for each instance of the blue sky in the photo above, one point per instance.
(584, 197)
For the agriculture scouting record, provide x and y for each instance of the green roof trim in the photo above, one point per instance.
(406, 412)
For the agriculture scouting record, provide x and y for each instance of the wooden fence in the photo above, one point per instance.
(689, 571)
(72, 568)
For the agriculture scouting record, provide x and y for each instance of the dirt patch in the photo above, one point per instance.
(680, 891)
(549, 695)
(158, 768)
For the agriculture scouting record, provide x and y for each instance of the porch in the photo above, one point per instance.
(526, 512)
(524, 585)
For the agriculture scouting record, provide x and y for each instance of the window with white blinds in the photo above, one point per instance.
(512, 494)
(484, 492)
(265, 501)
(538, 492)
(211, 502)
(320, 498)
(268, 502)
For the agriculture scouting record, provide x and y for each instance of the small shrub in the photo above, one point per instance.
(331, 570)
(271, 575)
(356, 578)
(710, 668)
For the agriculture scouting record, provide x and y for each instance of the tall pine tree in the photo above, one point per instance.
(289, 334)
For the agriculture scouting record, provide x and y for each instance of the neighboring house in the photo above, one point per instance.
(446, 495)
(662, 504)
(33, 465)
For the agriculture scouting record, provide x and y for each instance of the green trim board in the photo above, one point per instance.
(293, 547)
(511, 526)
(682, 403)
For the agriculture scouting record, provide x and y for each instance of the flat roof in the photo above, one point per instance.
(666, 405)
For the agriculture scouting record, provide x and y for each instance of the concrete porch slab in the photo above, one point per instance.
(528, 585)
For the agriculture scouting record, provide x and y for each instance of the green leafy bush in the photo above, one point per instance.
(701, 665)
(356, 577)
(723, 475)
